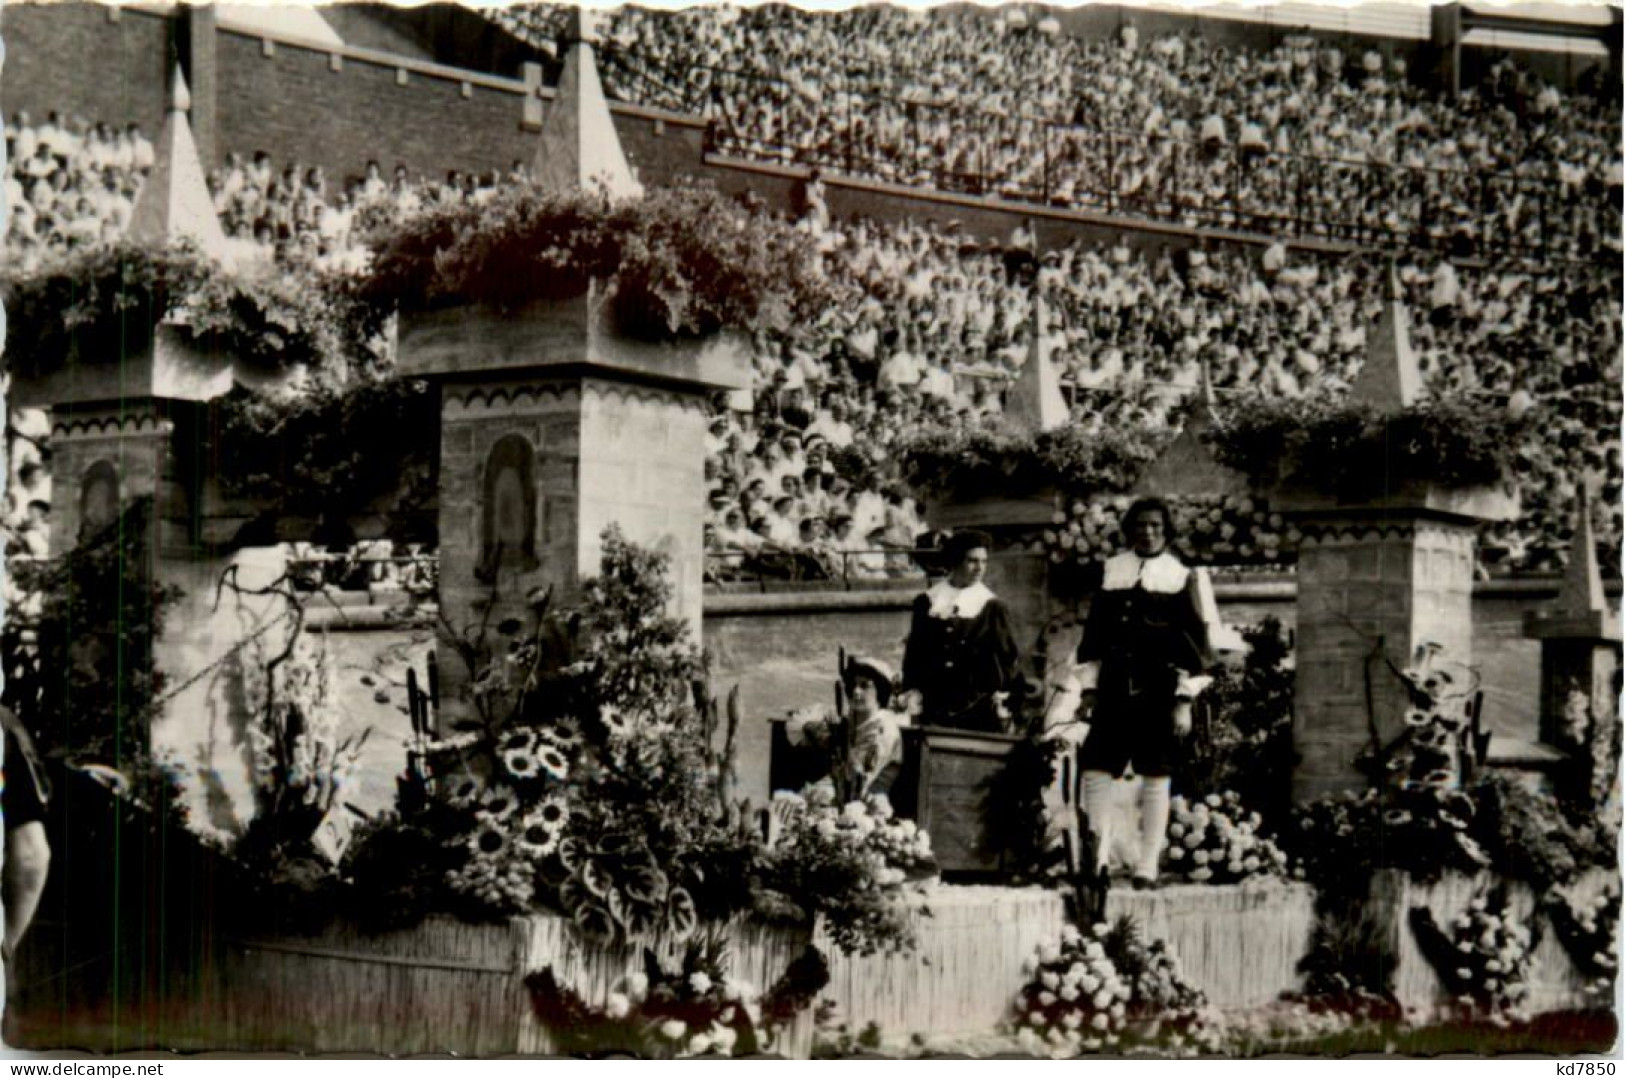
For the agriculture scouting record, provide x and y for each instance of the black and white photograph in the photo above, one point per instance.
(871, 532)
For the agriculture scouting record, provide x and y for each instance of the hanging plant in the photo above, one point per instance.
(684, 262)
(99, 305)
(966, 464)
(1355, 449)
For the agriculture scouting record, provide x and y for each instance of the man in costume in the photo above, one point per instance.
(1144, 649)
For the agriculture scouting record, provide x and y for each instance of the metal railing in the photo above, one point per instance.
(847, 570)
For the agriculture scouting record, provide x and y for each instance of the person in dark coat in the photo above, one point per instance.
(961, 654)
(1144, 649)
(28, 853)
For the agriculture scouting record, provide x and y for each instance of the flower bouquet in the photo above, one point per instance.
(1077, 1001)
(1111, 988)
(860, 851)
(1215, 840)
(693, 1010)
(1483, 960)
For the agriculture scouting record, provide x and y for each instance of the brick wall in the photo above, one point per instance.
(293, 105)
(73, 58)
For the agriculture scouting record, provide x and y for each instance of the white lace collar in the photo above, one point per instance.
(1161, 575)
(948, 601)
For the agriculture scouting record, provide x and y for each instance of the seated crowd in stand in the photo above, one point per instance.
(932, 329)
(70, 183)
(1305, 139)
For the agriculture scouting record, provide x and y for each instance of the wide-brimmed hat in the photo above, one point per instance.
(876, 670)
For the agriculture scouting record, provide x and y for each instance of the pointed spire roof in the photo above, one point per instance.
(1581, 592)
(1390, 378)
(1035, 402)
(1188, 468)
(1581, 611)
(580, 150)
(174, 202)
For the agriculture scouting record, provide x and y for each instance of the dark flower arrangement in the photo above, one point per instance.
(1589, 933)
(1483, 959)
(103, 303)
(967, 463)
(695, 1009)
(684, 261)
(1354, 449)
(1242, 740)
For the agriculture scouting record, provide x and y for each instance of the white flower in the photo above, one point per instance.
(673, 1029)
(1036, 1018)
(1069, 993)
(1070, 935)
(1094, 950)
(1201, 874)
(1099, 1021)
(1046, 999)
(724, 1038)
(1118, 1010)
(1200, 857)
(699, 1044)
(637, 985)
(1089, 984)
(1176, 853)
(1048, 952)
(1101, 1000)
(1463, 973)
(1049, 980)
(619, 1006)
(1101, 929)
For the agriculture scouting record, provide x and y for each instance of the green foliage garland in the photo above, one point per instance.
(1354, 449)
(101, 304)
(685, 261)
(970, 463)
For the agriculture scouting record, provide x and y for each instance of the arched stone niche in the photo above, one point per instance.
(508, 507)
(99, 497)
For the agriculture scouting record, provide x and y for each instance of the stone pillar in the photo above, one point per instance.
(554, 428)
(1579, 671)
(1375, 581)
(104, 458)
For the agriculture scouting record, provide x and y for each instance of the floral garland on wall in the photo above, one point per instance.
(103, 303)
(982, 462)
(1354, 449)
(685, 261)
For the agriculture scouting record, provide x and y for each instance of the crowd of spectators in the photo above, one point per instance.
(934, 329)
(69, 183)
(933, 326)
(296, 214)
(1305, 138)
